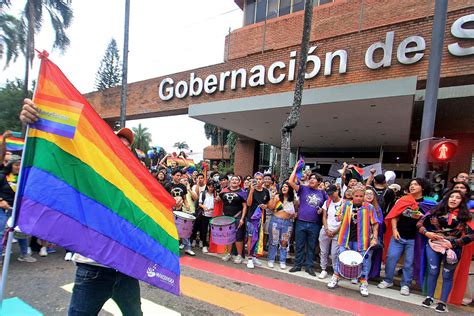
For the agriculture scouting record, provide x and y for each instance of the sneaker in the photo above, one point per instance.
(26, 258)
(257, 262)
(333, 283)
(29, 251)
(441, 308)
(384, 285)
(200, 244)
(405, 290)
(190, 252)
(364, 289)
(310, 271)
(205, 250)
(295, 269)
(68, 256)
(282, 265)
(323, 274)
(250, 264)
(51, 249)
(227, 257)
(270, 264)
(354, 281)
(427, 302)
(181, 247)
(193, 244)
(43, 252)
(238, 259)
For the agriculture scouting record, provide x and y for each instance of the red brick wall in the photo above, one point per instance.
(245, 156)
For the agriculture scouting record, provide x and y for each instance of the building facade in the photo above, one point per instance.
(364, 90)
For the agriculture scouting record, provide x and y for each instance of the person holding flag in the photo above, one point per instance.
(114, 216)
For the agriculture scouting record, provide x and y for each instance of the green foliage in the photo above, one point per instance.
(11, 100)
(181, 145)
(142, 138)
(10, 41)
(109, 73)
(216, 134)
(231, 142)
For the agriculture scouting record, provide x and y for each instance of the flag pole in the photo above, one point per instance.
(6, 261)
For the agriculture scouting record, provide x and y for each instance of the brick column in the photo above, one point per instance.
(244, 157)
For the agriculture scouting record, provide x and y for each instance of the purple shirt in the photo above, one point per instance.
(311, 201)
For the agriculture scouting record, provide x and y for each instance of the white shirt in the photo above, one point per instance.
(333, 224)
(208, 203)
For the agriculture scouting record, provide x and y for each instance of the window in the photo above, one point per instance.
(261, 11)
(325, 1)
(249, 12)
(285, 7)
(272, 11)
(298, 5)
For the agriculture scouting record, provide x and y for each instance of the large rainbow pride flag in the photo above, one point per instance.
(90, 194)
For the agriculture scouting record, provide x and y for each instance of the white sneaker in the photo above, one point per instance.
(68, 256)
(29, 251)
(384, 285)
(200, 244)
(257, 262)
(190, 252)
(26, 258)
(282, 265)
(250, 264)
(323, 274)
(333, 283)
(270, 264)
(181, 247)
(43, 252)
(364, 289)
(193, 244)
(205, 250)
(238, 259)
(354, 281)
(227, 257)
(405, 290)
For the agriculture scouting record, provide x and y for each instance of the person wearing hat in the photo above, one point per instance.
(95, 283)
(8, 185)
(330, 231)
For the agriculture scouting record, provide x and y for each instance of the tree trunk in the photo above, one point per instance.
(292, 120)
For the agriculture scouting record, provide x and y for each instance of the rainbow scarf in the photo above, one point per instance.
(365, 218)
(91, 195)
(14, 144)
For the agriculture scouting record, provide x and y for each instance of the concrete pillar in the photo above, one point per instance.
(244, 157)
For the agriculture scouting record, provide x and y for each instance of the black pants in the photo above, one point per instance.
(201, 225)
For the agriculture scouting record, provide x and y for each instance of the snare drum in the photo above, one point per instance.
(223, 230)
(350, 264)
(184, 224)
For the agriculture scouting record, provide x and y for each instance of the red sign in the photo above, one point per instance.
(443, 151)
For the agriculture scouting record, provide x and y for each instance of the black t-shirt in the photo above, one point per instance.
(406, 224)
(176, 189)
(154, 158)
(353, 227)
(386, 199)
(232, 201)
(259, 197)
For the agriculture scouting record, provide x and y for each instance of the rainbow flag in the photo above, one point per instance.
(140, 153)
(14, 144)
(182, 162)
(299, 168)
(92, 196)
(279, 206)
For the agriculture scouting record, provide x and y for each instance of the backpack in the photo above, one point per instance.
(381, 200)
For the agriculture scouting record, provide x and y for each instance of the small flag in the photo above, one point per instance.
(14, 143)
(140, 153)
(279, 206)
(299, 168)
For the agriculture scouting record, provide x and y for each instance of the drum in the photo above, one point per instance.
(184, 223)
(350, 264)
(223, 230)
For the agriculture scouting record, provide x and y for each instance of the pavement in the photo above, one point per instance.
(212, 287)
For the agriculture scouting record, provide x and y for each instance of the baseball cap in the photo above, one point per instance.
(126, 133)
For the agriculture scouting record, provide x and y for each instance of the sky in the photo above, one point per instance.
(166, 37)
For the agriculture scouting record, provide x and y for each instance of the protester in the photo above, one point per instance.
(328, 235)
(4, 154)
(466, 190)
(359, 229)
(283, 206)
(247, 181)
(8, 185)
(309, 220)
(385, 196)
(375, 254)
(206, 207)
(268, 184)
(257, 200)
(402, 221)
(235, 205)
(154, 159)
(161, 177)
(449, 229)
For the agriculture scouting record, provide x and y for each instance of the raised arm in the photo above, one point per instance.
(292, 179)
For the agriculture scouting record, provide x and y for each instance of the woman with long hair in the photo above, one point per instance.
(284, 206)
(375, 255)
(449, 229)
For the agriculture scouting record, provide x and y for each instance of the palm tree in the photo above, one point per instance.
(292, 119)
(10, 32)
(142, 137)
(181, 145)
(60, 13)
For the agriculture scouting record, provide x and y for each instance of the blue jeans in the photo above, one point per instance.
(434, 265)
(23, 243)
(94, 285)
(280, 232)
(306, 234)
(352, 245)
(395, 250)
(187, 243)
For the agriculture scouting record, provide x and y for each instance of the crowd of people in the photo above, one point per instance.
(318, 220)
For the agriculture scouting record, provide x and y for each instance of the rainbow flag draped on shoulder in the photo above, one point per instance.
(82, 189)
